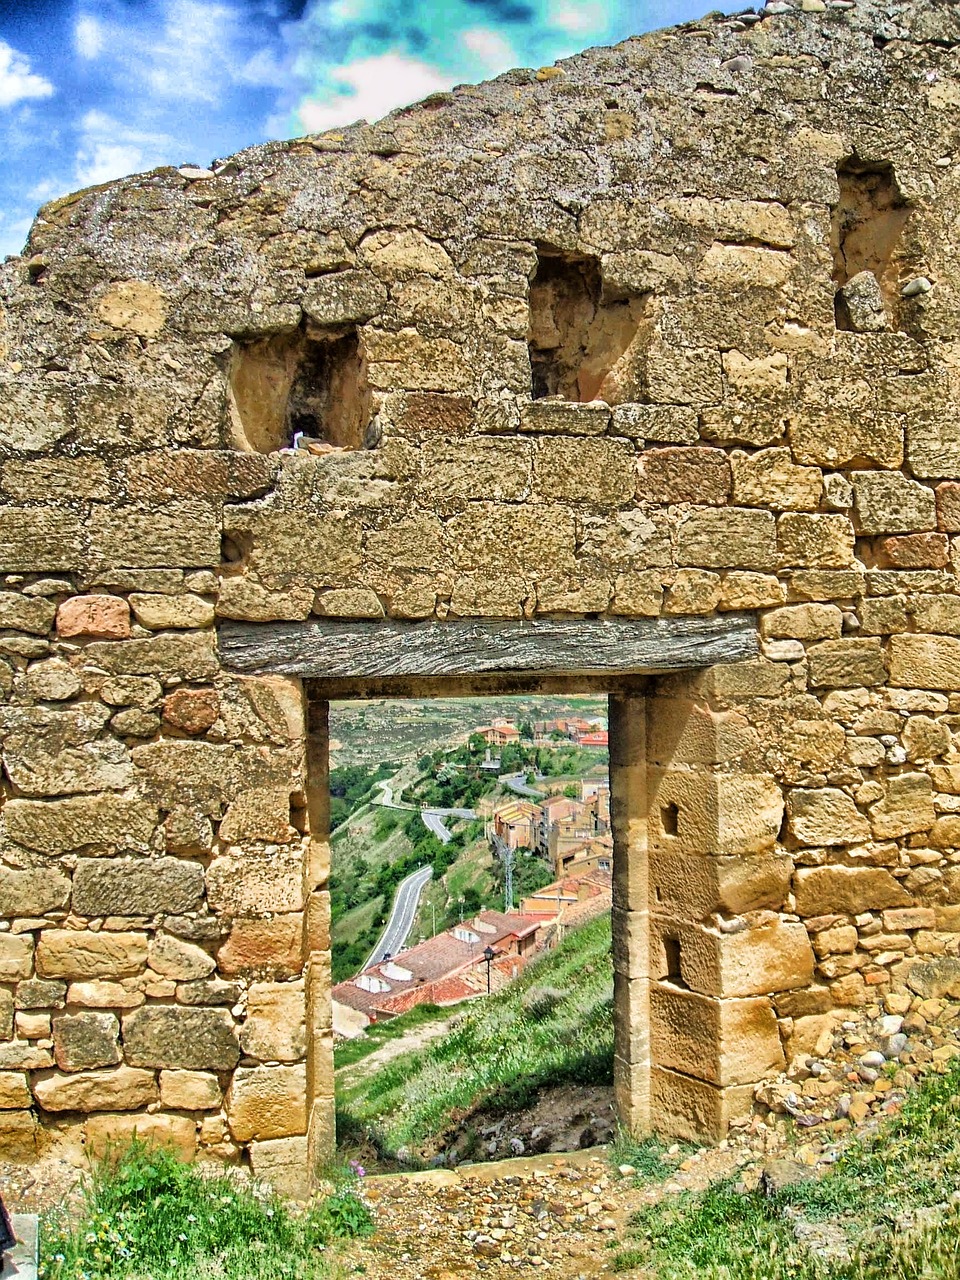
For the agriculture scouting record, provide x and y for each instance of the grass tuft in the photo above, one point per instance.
(147, 1215)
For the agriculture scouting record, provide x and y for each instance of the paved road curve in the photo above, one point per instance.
(405, 903)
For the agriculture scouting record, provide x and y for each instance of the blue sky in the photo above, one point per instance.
(91, 90)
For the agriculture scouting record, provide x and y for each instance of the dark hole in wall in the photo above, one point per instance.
(578, 337)
(671, 951)
(670, 819)
(867, 228)
(307, 383)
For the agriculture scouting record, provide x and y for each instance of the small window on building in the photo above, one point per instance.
(305, 389)
(670, 819)
(867, 230)
(578, 336)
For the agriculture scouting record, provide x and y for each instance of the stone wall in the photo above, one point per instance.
(672, 327)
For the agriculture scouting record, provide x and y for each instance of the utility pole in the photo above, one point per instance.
(508, 879)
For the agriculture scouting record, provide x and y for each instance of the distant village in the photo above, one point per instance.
(571, 832)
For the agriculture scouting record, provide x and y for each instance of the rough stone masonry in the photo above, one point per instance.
(671, 328)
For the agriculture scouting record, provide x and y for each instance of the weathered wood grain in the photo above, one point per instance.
(337, 650)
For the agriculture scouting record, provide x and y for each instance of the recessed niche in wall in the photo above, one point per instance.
(307, 387)
(867, 228)
(579, 336)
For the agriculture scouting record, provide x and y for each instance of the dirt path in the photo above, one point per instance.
(417, 1038)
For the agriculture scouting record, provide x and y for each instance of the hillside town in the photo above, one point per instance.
(568, 829)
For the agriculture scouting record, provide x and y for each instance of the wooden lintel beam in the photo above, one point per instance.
(386, 649)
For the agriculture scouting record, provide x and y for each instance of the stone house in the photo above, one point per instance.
(634, 375)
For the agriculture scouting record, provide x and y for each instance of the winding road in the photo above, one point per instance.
(402, 913)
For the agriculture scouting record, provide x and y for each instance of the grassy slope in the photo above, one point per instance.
(553, 1025)
(907, 1172)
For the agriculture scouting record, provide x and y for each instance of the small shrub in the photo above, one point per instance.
(146, 1214)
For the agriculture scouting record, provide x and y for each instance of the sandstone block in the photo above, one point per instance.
(254, 885)
(883, 616)
(693, 1109)
(103, 1133)
(157, 613)
(143, 692)
(49, 752)
(85, 1040)
(900, 918)
(136, 886)
(936, 978)
(269, 947)
(40, 540)
(40, 993)
(682, 375)
(173, 958)
(906, 806)
(948, 506)
(824, 584)
(344, 297)
(721, 1041)
(106, 617)
(771, 956)
(267, 1102)
(190, 656)
(825, 816)
(32, 893)
(216, 773)
(702, 812)
(692, 887)
(925, 662)
(18, 1137)
(693, 591)
(346, 602)
(51, 681)
(182, 533)
(190, 1090)
(742, 267)
(770, 478)
(845, 664)
(14, 1092)
(6, 1013)
(824, 542)
(261, 814)
(841, 940)
(282, 1163)
(914, 551)
(71, 953)
(939, 613)
(889, 502)
(103, 994)
(850, 890)
(803, 622)
(584, 470)
(16, 956)
(727, 538)
(275, 1028)
(685, 475)
(58, 826)
(20, 613)
(191, 710)
(240, 597)
(120, 1089)
(745, 590)
(838, 437)
(194, 1039)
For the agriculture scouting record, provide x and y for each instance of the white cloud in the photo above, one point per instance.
(371, 87)
(494, 51)
(17, 81)
(88, 37)
(577, 17)
(109, 149)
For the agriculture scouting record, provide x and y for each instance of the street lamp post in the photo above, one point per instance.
(488, 955)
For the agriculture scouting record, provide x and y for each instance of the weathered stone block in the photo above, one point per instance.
(190, 1090)
(14, 1091)
(275, 1029)
(261, 814)
(693, 1109)
(190, 656)
(703, 812)
(157, 612)
(847, 890)
(195, 1039)
(721, 1041)
(122, 1089)
(283, 1164)
(728, 538)
(691, 886)
(173, 958)
(270, 947)
(40, 539)
(845, 664)
(914, 551)
(803, 622)
(41, 993)
(818, 541)
(71, 953)
(255, 885)
(58, 826)
(20, 613)
(267, 1102)
(685, 475)
(838, 437)
(770, 478)
(104, 1133)
(49, 752)
(18, 1137)
(825, 816)
(32, 893)
(925, 662)
(136, 886)
(85, 1040)
(889, 502)
(16, 956)
(105, 617)
(183, 533)
(906, 806)
(191, 710)
(770, 956)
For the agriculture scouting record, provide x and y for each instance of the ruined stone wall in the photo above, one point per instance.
(670, 328)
